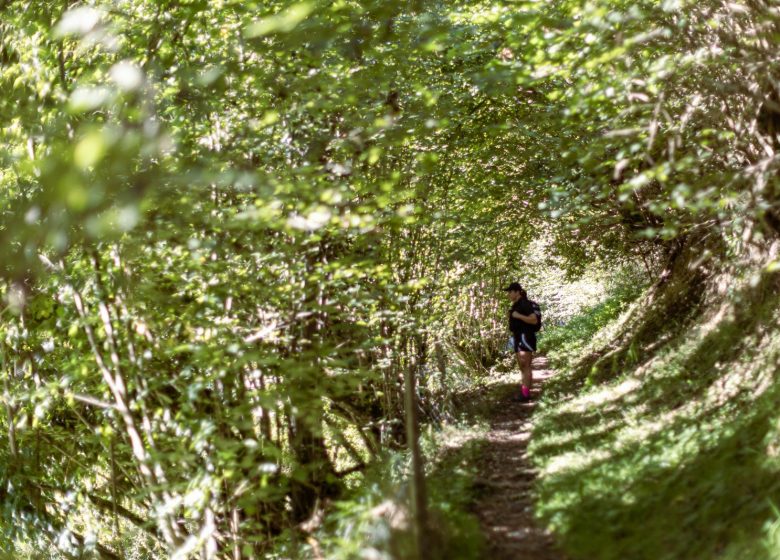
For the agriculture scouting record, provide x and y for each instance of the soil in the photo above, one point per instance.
(506, 479)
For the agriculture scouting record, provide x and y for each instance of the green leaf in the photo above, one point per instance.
(283, 22)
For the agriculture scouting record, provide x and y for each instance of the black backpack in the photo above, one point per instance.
(538, 312)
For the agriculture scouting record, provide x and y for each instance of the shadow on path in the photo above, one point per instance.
(506, 478)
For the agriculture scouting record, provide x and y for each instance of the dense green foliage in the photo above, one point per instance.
(236, 234)
(662, 442)
(227, 233)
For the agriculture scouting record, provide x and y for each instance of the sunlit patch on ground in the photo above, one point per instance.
(675, 458)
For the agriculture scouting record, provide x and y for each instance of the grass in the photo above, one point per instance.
(592, 329)
(674, 454)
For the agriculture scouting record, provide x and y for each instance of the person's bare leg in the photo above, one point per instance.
(519, 358)
(525, 367)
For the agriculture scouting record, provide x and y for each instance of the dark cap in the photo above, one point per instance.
(514, 287)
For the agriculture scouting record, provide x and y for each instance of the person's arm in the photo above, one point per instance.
(531, 319)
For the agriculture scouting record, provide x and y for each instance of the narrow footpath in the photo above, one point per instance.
(506, 478)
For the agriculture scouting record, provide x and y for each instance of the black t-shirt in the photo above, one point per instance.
(522, 306)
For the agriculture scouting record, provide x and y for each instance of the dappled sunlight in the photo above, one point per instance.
(574, 461)
(254, 274)
(605, 398)
(456, 436)
(675, 432)
(634, 422)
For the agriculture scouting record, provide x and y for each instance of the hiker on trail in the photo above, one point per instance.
(524, 319)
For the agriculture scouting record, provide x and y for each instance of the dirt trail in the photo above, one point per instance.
(505, 508)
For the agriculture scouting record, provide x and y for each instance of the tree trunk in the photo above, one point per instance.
(419, 493)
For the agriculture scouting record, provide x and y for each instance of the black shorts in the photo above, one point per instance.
(525, 342)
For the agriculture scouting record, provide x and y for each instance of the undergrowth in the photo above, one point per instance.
(372, 520)
(570, 340)
(664, 443)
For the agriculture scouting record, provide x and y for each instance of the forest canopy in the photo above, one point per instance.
(234, 232)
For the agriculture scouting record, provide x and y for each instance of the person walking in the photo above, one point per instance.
(522, 318)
